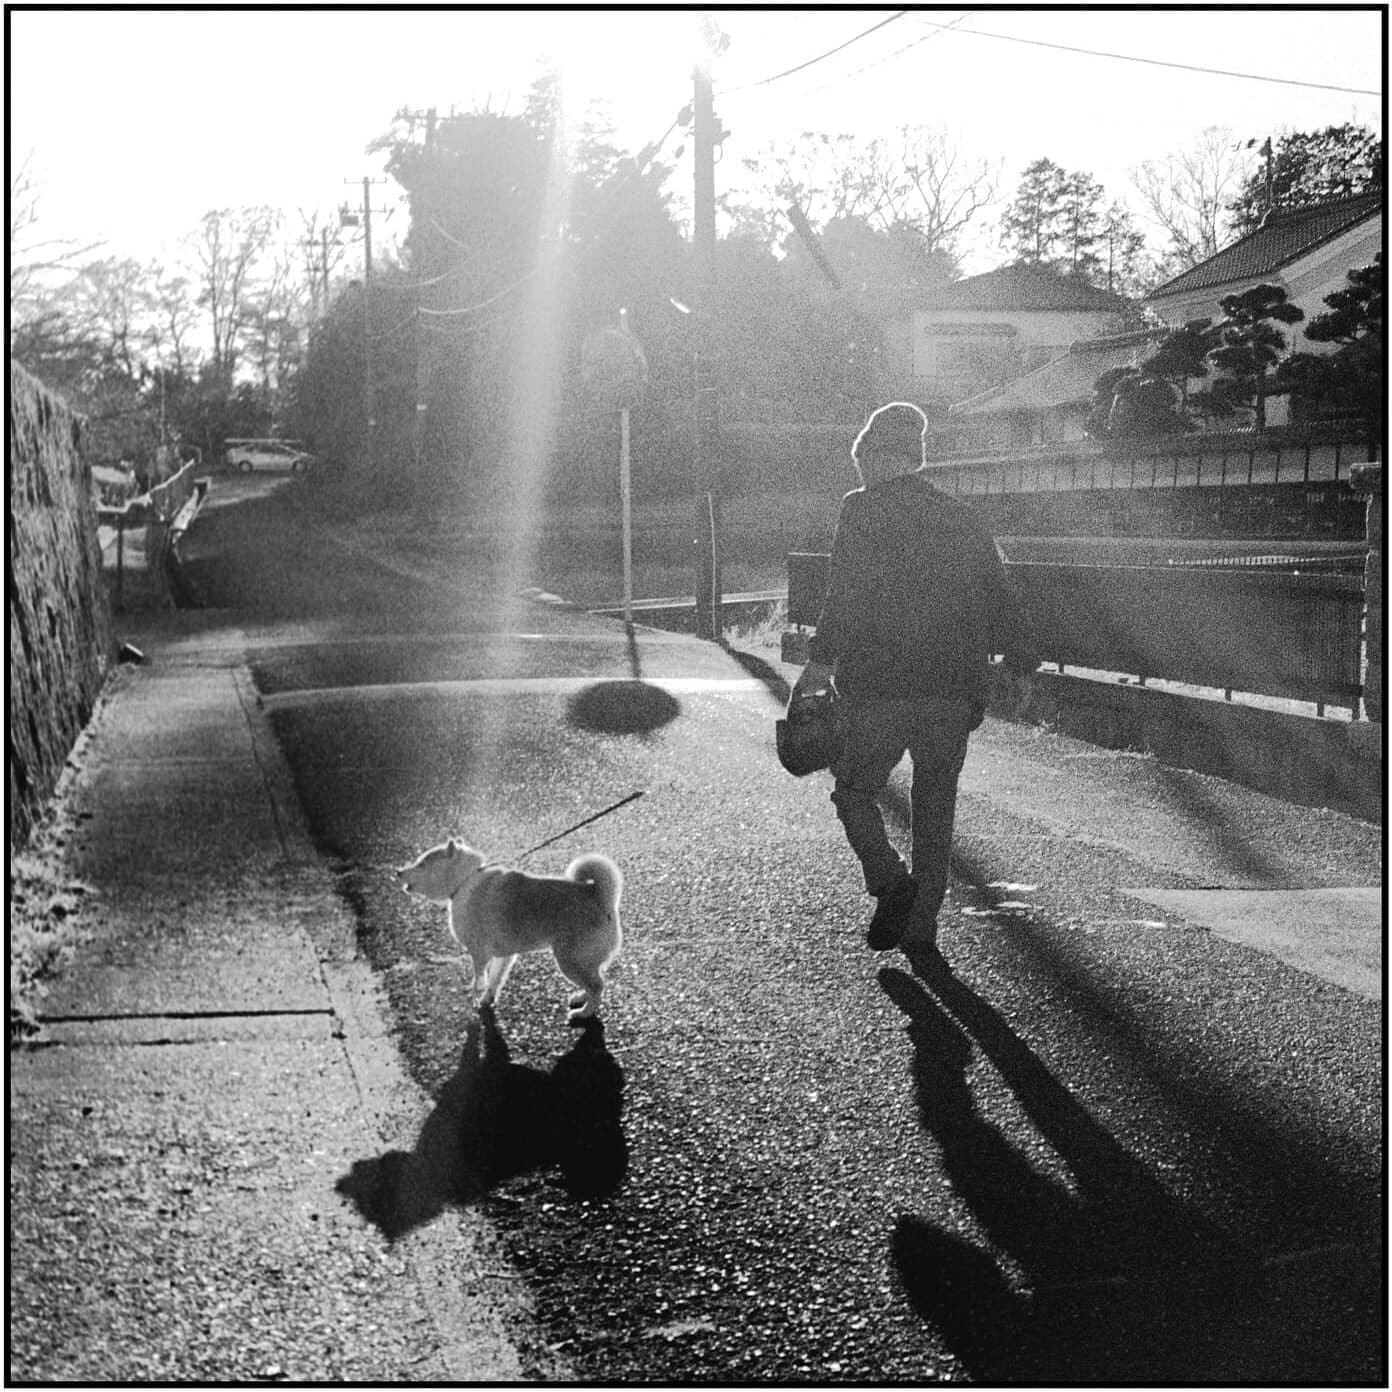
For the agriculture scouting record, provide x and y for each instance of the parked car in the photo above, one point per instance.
(249, 455)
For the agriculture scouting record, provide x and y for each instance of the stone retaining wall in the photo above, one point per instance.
(61, 637)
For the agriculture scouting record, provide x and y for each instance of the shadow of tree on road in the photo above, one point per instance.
(1123, 1282)
(495, 1119)
(631, 707)
(622, 708)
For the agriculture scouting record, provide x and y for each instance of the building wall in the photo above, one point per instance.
(953, 354)
(1306, 283)
(61, 640)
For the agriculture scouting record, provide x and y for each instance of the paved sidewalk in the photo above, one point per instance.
(211, 1062)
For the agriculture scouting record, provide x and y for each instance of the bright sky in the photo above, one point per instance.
(142, 120)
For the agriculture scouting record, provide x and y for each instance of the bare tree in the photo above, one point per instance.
(111, 301)
(272, 314)
(227, 247)
(173, 318)
(321, 252)
(949, 191)
(1187, 194)
(916, 179)
(39, 264)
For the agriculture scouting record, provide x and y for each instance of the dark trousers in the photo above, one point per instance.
(875, 736)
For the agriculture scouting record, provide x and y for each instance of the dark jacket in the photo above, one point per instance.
(918, 599)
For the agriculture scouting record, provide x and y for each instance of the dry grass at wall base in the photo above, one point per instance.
(763, 630)
(47, 904)
(45, 907)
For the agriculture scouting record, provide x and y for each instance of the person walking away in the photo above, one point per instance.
(917, 602)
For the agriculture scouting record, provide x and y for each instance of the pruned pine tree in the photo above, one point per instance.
(1250, 344)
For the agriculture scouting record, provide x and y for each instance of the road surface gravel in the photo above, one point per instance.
(1094, 1142)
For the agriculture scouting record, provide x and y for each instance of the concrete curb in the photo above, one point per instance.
(472, 1344)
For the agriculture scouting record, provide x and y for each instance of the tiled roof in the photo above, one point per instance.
(1021, 287)
(1285, 235)
(1066, 380)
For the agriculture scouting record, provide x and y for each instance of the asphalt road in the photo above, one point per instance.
(1106, 1146)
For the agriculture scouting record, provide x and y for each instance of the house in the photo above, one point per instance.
(1049, 405)
(970, 335)
(1308, 251)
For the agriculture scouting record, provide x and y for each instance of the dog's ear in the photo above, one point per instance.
(454, 847)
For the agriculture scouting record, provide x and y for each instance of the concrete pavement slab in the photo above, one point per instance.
(1334, 933)
(137, 826)
(173, 1218)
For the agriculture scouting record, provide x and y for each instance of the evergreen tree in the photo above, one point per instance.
(1121, 252)
(1249, 346)
(1031, 227)
(1080, 225)
(1182, 355)
(1309, 167)
(1351, 380)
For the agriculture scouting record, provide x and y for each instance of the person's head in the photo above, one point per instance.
(890, 443)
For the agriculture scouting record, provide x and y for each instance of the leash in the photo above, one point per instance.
(560, 835)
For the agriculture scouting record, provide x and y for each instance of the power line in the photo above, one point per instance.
(492, 299)
(888, 57)
(1158, 62)
(764, 81)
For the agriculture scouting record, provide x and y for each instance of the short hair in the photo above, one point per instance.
(898, 428)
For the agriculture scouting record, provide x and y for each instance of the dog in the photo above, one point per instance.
(496, 913)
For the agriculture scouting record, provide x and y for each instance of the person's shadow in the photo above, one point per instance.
(495, 1119)
(1116, 1280)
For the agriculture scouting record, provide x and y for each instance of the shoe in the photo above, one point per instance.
(919, 937)
(891, 914)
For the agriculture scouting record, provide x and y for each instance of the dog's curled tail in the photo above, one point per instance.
(601, 872)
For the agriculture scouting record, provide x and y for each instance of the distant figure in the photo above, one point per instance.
(916, 604)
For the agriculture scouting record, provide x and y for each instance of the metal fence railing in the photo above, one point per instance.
(136, 538)
(1257, 631)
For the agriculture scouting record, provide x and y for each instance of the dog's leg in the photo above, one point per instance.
(584, 965)
(584, 1003)
(480, 981)
(495, 974)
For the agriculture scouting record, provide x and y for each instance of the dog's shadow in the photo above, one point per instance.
(495, 1119)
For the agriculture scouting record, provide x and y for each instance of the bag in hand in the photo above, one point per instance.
(808, 738)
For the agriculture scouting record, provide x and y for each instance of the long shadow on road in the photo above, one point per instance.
(495, 1119)
(1122, 1282)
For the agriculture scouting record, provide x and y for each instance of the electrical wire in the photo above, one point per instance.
(1157, 62)
(491, 300)
(888, 57)
(764, 81)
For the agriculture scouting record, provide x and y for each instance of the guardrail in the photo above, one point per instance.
(156, 514)
(1297, 637)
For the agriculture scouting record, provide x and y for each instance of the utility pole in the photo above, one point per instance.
(369, 391)
(424, 267)
(707, 406)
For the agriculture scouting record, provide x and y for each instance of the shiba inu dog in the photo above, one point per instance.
(496, 913)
